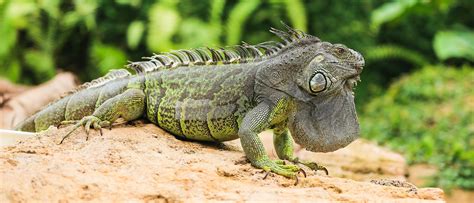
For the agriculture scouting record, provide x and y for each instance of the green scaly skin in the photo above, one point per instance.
(303, 91)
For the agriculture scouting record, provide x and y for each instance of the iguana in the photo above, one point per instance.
(301, 87)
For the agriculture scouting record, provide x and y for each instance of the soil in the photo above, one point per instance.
(420, 174)
(141, 162)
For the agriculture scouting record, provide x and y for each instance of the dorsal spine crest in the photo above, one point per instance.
(243, 53)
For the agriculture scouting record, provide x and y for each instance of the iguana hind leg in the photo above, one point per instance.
(283, 143)
(129, 105)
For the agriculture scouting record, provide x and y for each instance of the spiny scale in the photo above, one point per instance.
(243, 53)
(209, 56)
(111, 75)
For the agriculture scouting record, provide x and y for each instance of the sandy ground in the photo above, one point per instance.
(144, 163)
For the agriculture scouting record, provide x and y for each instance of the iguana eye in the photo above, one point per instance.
(318, 83)
(340, 50)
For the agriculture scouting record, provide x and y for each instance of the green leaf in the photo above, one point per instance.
(237, 18)
(86, 10)
(107, 57)
(459, 44)
(164, 22)
(387, 51)
(217, 8)
(41, 63)
(51, 7)
(194, 32)
(17, 12)
(134, 33)
(389, 12)
(70, 19)
(9, 37)
(11, 71)
(297, 14)
(133, 3)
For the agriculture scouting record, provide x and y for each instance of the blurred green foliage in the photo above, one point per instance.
(88, 37)
(449, 44)
(429, 116)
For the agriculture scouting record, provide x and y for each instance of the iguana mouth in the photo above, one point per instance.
(352, 81)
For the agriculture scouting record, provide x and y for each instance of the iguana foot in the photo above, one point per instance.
(312, 165)
(87, 122)
(281, 168)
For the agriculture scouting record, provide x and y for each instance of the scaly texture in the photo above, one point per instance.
(301, 87)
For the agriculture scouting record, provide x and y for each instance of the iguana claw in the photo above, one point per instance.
(266, 175)
(302, 171)
(86, 122)
(281, 168)
(297, 181)
(312, 165)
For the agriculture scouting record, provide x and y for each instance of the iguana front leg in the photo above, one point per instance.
(283, 143)
(129, 105)
(253, 123)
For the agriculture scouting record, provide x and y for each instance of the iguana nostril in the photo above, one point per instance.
(360, 65)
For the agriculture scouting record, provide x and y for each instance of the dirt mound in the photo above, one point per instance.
(145, 163)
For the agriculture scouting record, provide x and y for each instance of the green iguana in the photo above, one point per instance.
(300, 87)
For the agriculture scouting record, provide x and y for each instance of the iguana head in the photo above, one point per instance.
(332, 67)
(327, 120)
(320, 77)
(307, 67)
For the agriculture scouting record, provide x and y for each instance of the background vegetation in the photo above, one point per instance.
(429, 116)
(426, 115)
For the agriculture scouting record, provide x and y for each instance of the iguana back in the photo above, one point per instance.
(200, 102)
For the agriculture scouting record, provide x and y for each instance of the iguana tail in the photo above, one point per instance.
(53, 114)
(78, 103)
(27, 125)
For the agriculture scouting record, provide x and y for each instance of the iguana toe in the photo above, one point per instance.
(86, 122)
(67, 123)
(281, 168)
(312, 165)
(289, 171)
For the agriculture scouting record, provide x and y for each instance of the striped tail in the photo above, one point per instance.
(78, 103)
(73, 107)
(27, 125)
(53, 114)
